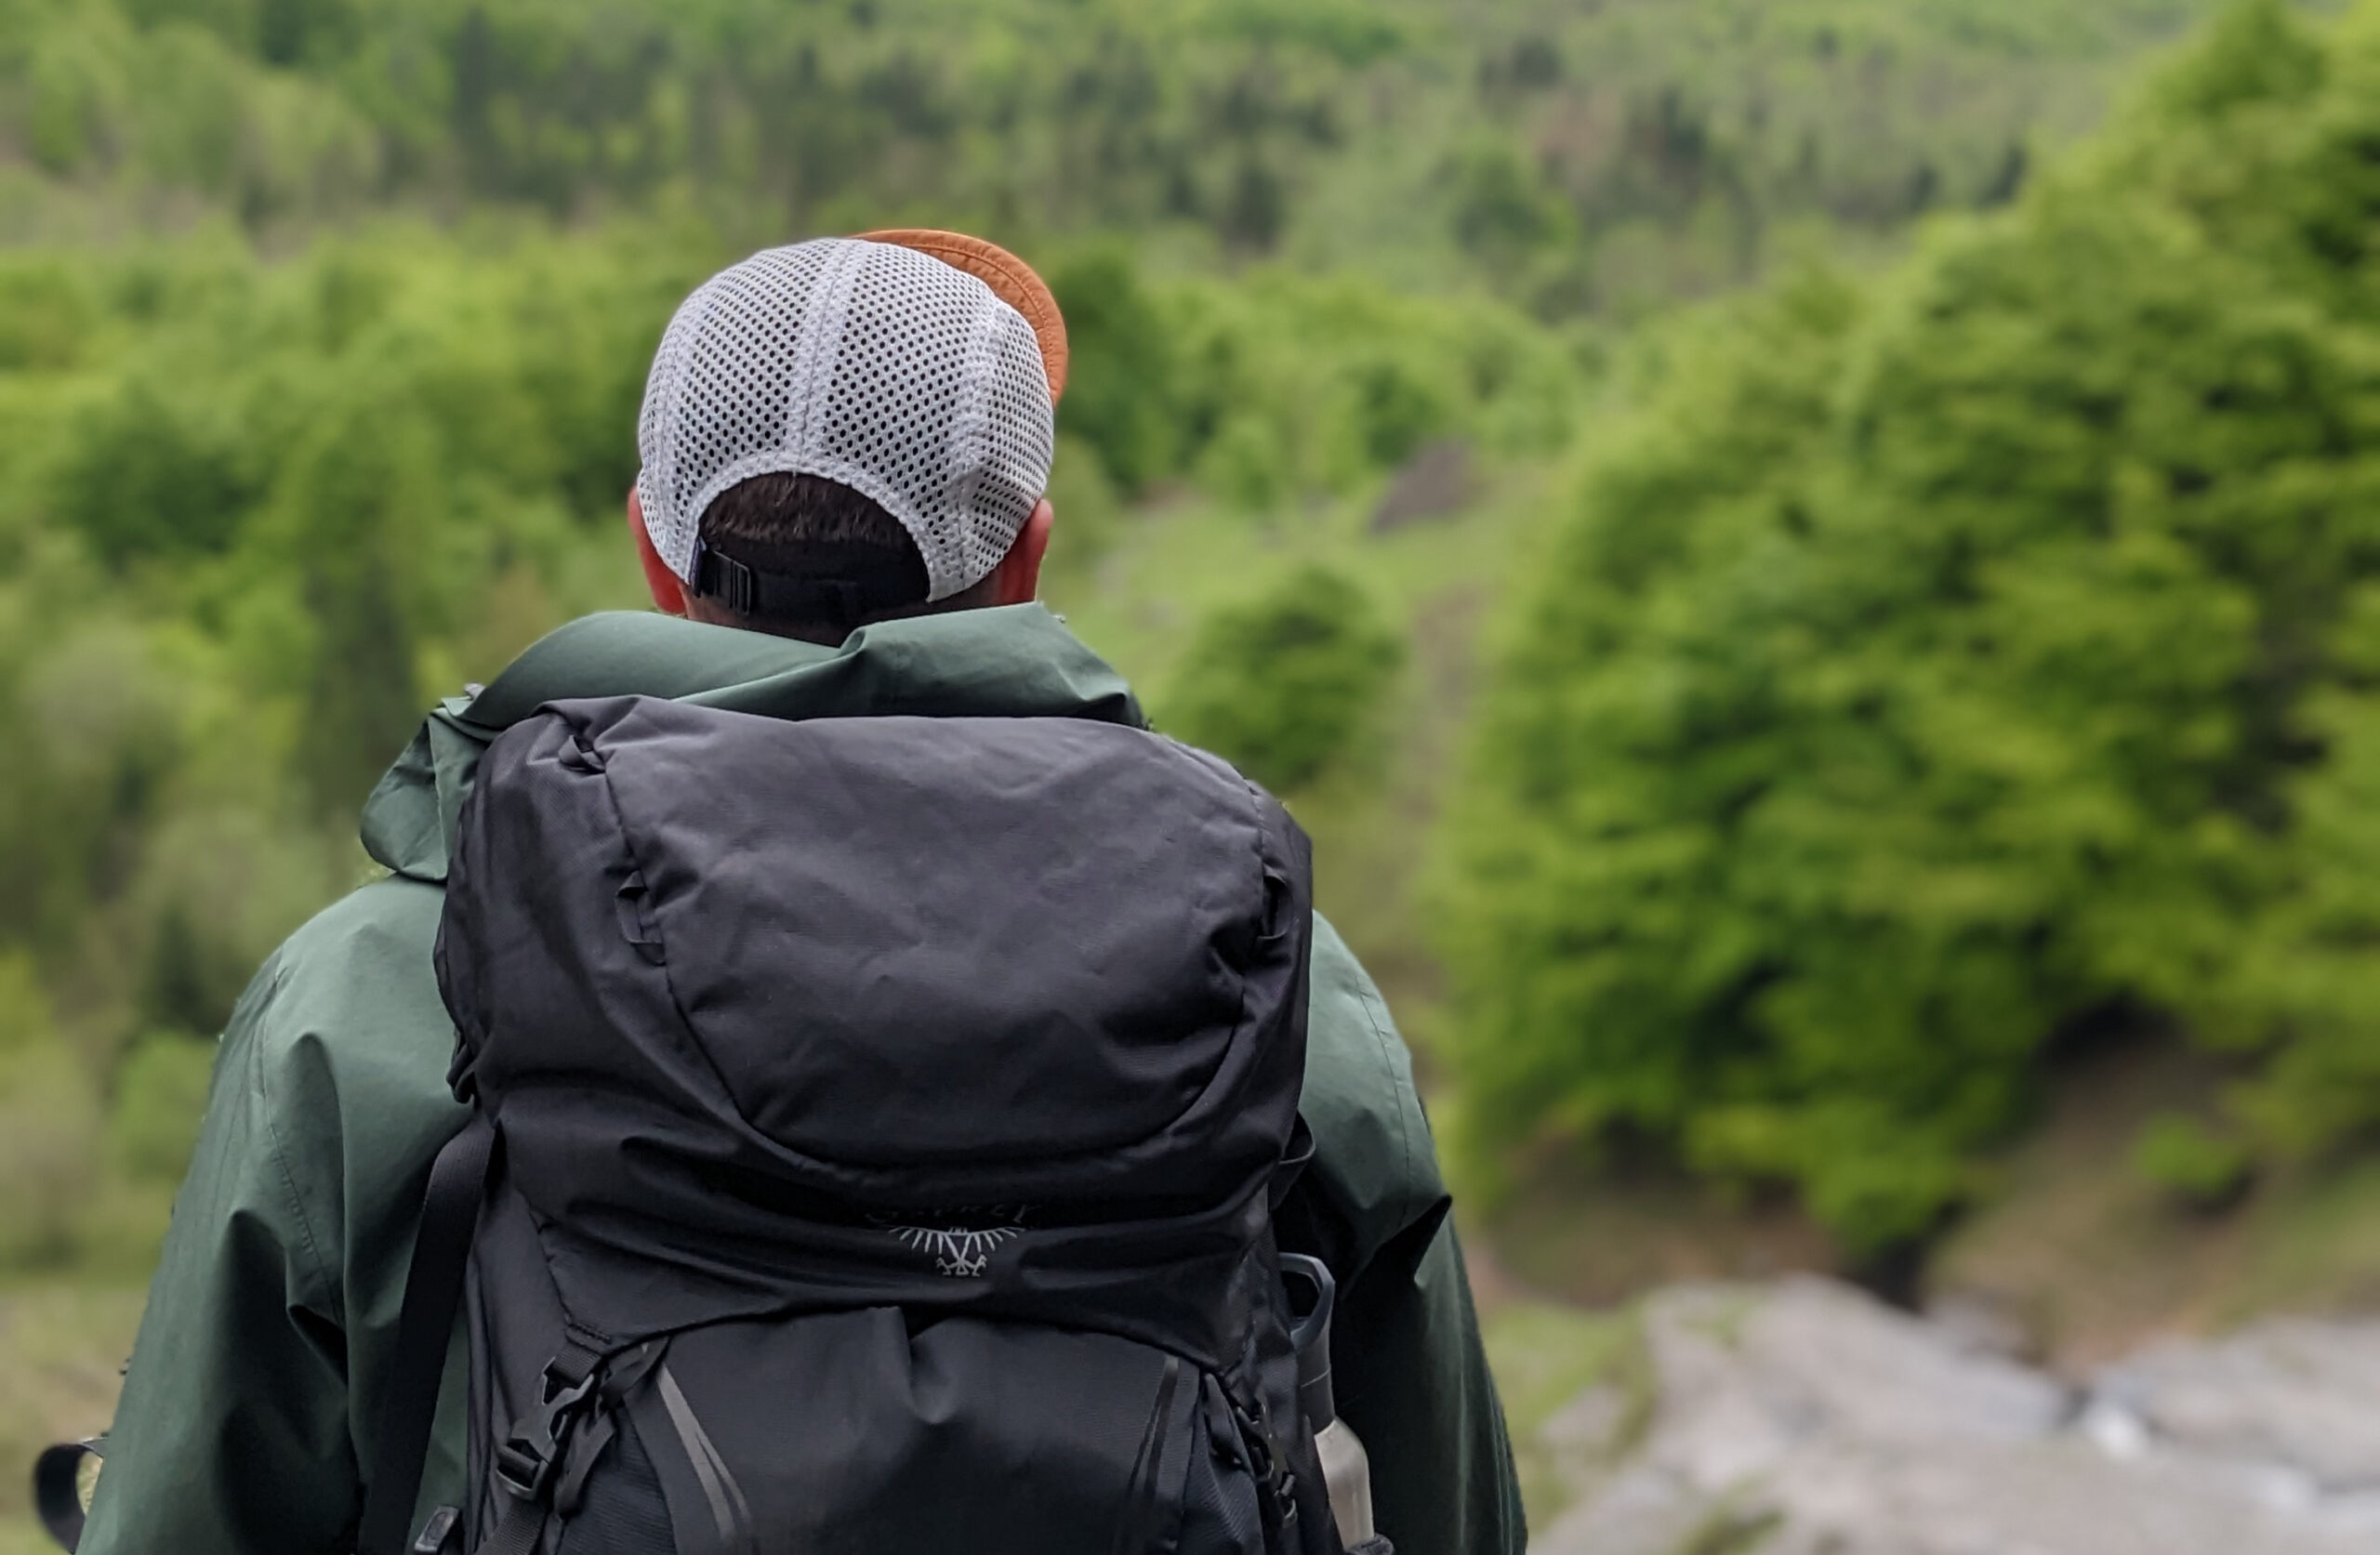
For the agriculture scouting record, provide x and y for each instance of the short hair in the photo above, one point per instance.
(807, 526)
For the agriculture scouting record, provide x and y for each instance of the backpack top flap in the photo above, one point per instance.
(829, 1012)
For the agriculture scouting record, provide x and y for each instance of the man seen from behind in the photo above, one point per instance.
(776, 926)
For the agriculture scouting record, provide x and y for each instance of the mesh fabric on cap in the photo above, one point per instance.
(863, 362)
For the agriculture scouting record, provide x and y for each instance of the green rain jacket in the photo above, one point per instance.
(252, 1396)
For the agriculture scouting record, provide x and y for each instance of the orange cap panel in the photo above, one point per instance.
(1011, 279)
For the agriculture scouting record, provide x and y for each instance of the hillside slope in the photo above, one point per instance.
(1607, 158)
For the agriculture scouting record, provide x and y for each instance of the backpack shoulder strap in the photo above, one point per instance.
(450, 1212)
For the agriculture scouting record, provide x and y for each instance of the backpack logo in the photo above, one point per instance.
(963, 1252)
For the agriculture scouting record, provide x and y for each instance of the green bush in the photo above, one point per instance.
(1090, 514)
(1289, 386)
(2202, 1169)
(1279, 387)
(141, 480)
(49, 1127)
(1581, 154)
(1120, 378)
(160, 1095)
(1930, 665)
(1287, 684)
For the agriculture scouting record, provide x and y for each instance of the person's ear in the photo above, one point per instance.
(668, 590)
(1017, 580)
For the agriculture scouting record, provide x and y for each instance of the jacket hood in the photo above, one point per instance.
(1018, 660)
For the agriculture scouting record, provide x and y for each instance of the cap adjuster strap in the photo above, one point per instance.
(747, 590)
(736, 584)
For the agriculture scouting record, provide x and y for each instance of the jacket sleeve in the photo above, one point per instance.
(247, 1407)
(231, 1433)
(1411, 1376)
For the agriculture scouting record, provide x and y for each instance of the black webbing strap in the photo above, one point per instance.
(450, 1211)
(846, 588)
(537, 1449)
(518, 1526)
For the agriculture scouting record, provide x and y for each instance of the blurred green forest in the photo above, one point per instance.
(1796, 568)
(1812, 565)
(1936, 671)
(1609, 157)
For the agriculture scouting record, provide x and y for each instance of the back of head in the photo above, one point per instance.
(855, 561)
(846, 429)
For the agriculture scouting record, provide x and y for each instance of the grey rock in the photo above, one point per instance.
(1980, 1323)
(2294, 1392)
(1644, 1510)
(1804, 1418)
(1592, 1426)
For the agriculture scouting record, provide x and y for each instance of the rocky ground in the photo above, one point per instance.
(1806, 1418)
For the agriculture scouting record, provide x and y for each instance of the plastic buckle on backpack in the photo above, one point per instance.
(525, 1464)
(522, 1470)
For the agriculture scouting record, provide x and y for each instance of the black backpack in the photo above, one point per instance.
(878, 1125)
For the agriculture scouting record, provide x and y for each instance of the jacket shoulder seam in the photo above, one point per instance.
(314, 1266)
(1373, 1007)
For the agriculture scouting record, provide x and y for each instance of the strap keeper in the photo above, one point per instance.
(826, 593)
(730, 581)
(529, 1458)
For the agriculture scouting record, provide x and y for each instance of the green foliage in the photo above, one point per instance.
(1503, 209)
(160, 1093)
(1931, 664)
(1286, 684)
(1090, 517)
(48, 310)
(1783, 796)
(1610, 157)
(2202, 1169)
(49, 1125)
(1121, 369)
(1280, 387)
(1287, 386)
(142, 478)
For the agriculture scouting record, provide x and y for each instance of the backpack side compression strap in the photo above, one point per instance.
(450, 1212)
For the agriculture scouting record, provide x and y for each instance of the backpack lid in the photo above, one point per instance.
(743, 992)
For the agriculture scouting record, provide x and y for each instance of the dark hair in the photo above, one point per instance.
(806, 526)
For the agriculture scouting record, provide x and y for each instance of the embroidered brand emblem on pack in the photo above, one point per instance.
(962, 1251)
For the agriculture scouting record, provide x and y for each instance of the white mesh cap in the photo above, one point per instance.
(867, 363)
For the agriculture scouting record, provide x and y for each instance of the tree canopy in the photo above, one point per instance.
(1927, 663)
(1607, 157)
(1937, 666)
